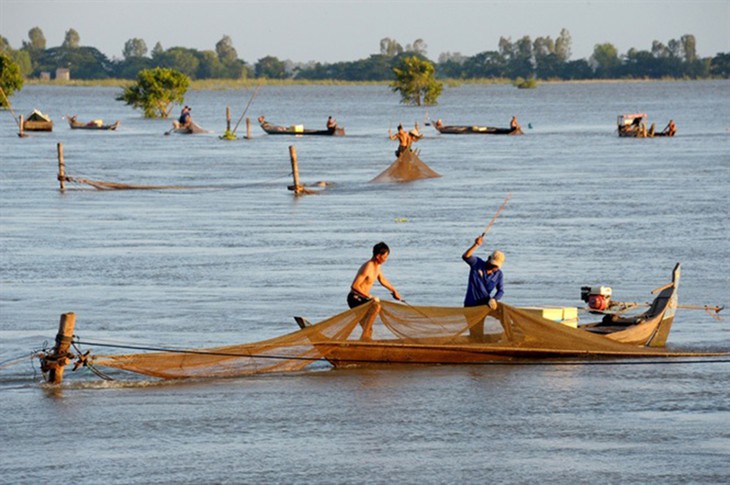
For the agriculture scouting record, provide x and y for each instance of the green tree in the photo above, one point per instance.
(605, 60)
(562, 45)
(416, 81)
(11, 79)
(180, 59)
(36, 40)
(270, 67)
(389, 47)
(157, 50)
(419, 46)
(156, 90)
(689, 46)
(134, 48)
(226, 52)
(84, 62)
(210, 66)
(71, 40)
(485, 65)
(720, 65)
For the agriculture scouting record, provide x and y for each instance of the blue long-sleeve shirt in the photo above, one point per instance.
(481, 285)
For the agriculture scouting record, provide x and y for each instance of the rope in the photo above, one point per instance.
(100, 185)
(15, 360)
(668, 359)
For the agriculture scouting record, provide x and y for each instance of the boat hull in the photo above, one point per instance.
(281, 130)
(38, 126)
(75, 125)
(477, 130)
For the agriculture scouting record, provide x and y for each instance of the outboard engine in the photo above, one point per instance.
(597, 297)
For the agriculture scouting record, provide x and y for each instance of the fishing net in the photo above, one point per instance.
(102, 185)
(406, 168)
(402, 333)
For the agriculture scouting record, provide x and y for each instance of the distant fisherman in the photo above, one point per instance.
(331, 124)
(405, 140)
(185, 119)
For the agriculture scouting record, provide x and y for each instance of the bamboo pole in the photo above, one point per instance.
(228, 118)
(297, 188)
(61, 168)
(20, 127)
(63, 342)
(491, 223)
(248, 128)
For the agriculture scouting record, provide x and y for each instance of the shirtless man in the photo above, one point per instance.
(404, 140)
(366, 276)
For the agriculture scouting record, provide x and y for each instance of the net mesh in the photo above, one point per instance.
(406, 168)
(402, 333)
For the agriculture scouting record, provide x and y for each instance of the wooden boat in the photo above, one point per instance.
(406, 334)
(91, 125)
(475, 130)
(297, 129)
(507, 334)
(192, 129)
(633, 125)
(37, 121)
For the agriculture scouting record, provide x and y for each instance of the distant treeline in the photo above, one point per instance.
(541, 58)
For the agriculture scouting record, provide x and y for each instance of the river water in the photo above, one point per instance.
(232, 255)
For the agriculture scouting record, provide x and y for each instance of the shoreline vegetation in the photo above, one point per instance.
(232, 84)
(543, 59)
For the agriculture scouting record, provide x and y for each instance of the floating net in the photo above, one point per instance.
(102, 185)
(406, 168)
(403, 333)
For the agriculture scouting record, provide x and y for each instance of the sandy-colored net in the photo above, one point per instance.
(406, 168)
(401, 334)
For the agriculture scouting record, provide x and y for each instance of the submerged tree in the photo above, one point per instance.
(415, 79)
(156, 90)
(11, 79)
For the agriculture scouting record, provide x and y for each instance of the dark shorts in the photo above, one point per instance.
(354, 300)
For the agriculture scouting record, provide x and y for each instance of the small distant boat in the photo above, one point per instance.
(633, 125)
(475, 130)
(37, 121)
(91, 125)
(192, 129)
(297, 129)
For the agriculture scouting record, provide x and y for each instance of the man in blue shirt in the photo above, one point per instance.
(486, 281)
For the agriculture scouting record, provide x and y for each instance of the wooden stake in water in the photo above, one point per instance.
(59, 358)
(297, 188)
(61, 168)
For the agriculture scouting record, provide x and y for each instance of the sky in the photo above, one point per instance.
(347, 30)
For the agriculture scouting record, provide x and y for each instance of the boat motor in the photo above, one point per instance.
(597, 297)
